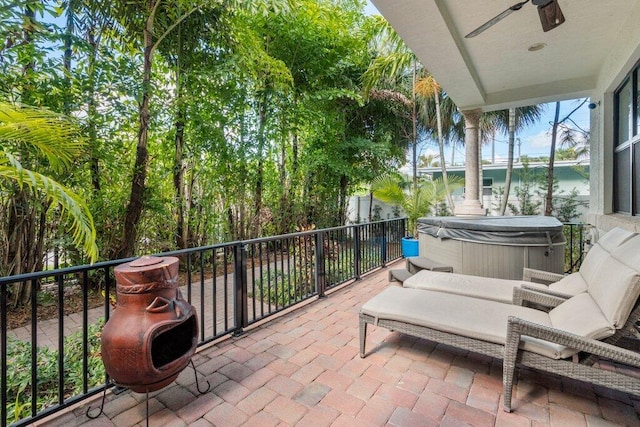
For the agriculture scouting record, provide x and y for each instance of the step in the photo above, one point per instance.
(399, 275)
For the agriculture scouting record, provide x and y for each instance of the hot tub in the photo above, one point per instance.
(498, 246)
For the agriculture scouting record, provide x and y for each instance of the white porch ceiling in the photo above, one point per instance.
(495, 69)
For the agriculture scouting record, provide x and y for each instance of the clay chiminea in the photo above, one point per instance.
(153, 332)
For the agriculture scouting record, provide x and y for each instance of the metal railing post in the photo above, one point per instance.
(357, 252)
(383, 244)
(320, 277)
(3, 349)
(241, 310)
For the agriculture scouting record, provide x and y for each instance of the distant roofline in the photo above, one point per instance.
(499, 166)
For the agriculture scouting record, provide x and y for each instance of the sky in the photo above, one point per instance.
(535, 140)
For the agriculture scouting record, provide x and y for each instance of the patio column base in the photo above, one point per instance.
(470, 208)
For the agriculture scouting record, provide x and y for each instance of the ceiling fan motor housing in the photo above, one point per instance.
(550, 14)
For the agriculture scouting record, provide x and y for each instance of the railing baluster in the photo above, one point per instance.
(356, 252)
(319, 264)
(60, 339)
(3, 348)
(214, 296)
(226, 288)
(34, 350)
(240, 292)
(85, 331)
(202, 294)
(188, 284)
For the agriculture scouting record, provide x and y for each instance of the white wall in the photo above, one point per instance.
(624, 55)
(360, 205)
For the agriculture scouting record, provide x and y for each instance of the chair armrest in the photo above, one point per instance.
(525, 295)
(540, 276)
(516, 328)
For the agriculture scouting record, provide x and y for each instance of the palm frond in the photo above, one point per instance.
(73, 208)
(54, 135)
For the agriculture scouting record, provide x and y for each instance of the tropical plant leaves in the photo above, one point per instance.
(72, 206)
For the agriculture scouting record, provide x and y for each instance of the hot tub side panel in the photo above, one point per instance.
(499, 261)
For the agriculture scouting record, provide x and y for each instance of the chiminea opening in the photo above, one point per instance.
(173, 343)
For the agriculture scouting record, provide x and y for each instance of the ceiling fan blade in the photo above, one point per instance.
(496, 19)
(550, 15)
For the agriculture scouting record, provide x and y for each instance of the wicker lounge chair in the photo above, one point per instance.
(566, 340)
(504, 290)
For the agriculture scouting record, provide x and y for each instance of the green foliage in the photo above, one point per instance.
(573, 248)
(267, 97)
(530, 194)
(56, 138)
(530, 180)
(19, 376)
(393, 190)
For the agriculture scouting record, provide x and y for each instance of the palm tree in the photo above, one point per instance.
(56, 138)
(428, 88)
(394, 190)
(395, 63)
(511, 121)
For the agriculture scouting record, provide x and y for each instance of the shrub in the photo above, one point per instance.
(19, 376)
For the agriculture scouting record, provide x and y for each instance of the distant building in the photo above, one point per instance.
(569, 173)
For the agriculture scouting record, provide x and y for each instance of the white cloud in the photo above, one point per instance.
(540, 140)
(543, 138)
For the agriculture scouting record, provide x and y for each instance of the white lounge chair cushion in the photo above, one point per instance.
(573, 284)
(616, 285)
(500, 290)
(460, 315)
(614, 238)
(581, 315)
(629, 253)
(593, 262)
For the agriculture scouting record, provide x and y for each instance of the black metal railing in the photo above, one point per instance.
(48, 365)
(575, 235)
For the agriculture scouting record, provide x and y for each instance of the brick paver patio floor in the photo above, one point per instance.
(303, 369)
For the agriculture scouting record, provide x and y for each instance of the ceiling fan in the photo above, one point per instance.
(549, 10)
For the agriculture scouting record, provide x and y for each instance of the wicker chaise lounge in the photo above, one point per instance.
(505, 290)
(567, 340)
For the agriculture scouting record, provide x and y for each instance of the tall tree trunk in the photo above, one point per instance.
(285, 215)
(182, 232)
(443, 166)
(138, 183)
(480, 170)
(92, 112)
(342, 200)
(257, 204)
(548, 208)
(509, 175)
(20, 225)
(370, 206)
(414, 122)
(68, 36)
(453, 153)
(178, 180)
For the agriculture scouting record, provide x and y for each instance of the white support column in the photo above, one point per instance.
(471, 206)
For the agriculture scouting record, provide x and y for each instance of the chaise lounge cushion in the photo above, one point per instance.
(500, 290)
(614, 238)
(580, 315)
(616, 285)
(472, 317)
(483, 319)
(572, 284)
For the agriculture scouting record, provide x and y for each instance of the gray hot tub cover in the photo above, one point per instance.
(497, 230)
